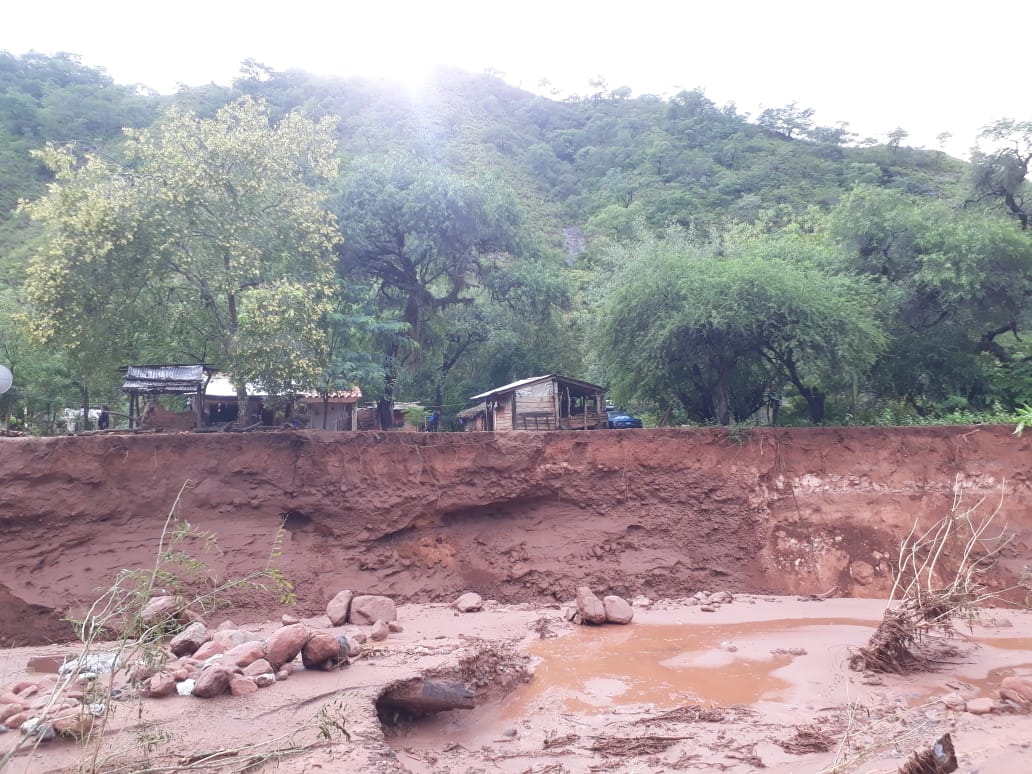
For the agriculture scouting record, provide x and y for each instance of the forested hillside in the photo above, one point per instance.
(310, 233)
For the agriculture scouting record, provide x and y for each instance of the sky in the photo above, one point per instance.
(928, 67)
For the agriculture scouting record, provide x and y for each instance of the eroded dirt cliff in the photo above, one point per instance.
(520, 516)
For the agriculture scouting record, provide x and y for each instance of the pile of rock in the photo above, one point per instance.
(710, 601)
(35, 707)
(595, 611)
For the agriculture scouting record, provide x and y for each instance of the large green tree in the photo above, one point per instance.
(210, 239)
(709, 324)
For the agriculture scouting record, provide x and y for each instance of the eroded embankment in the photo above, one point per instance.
(516, 516)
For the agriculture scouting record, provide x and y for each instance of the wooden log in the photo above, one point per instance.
(427, 696)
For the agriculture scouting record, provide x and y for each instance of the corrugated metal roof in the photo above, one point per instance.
(168, 379)
(534, 380)
(472, 411)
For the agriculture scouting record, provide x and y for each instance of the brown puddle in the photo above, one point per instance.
(594, 668)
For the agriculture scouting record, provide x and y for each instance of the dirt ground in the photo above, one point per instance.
(774, 516)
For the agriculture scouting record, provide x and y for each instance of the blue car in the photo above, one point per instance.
(620, 421)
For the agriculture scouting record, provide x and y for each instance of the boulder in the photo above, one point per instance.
(982, 706)
(349, 645)
(322, 651)
(861, 572)
(259, 667)
(189, 640)
(468, 603)
(209, 649)
(285, 643)
(160, 610)
(590, 607)
(161, 684)
(395, 627)
(241, 686)
(264, 681)
(1018, 689)
(230, 638)
(244, 654)
(16, 720)
(618, 610)
(379, 631)
(338, 608)
(367, 609)
(212, 681)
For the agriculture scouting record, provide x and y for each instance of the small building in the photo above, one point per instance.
(172, 379)
(473, 419)
(219, 403)
(549, 402)
(369, 417)
(334, 411)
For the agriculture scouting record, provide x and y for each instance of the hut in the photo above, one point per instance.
(473, 418)
(549, 402)
(170, 379)
(335, 410)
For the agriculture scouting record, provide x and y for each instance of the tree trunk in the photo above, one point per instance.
(722, 404)
(385, 406)
(243, 405)
(85, 408)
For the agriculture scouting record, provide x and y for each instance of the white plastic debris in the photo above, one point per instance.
(185, 688)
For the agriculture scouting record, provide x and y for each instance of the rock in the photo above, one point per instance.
(230, 638)
(288, 619)
(16, 720)
(358, 637)
(338, 608)
(185, 687)
(953, 701)
(160, 610)
(468, 603)
(618, 610)
(189, 640)
(1018, 689)
(641, 601)
(708, 608)
(282, 674)
(982, 706)
(161, 684)
(264, 681)
(245, 654)
(366, 609)
(861, 572)
(259, 667)
(322, 651)
(590, 607)
(721, 598)
(209, 649)
(212, 681)
(44, 731)
(76, 723)
(7, 710)
(379, 631)
(395, 627)
(242, 686)
(349, 645)
(284, 644)
(141, 671)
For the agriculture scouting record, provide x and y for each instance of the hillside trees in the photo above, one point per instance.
(211, 239)
(710, 325)
(1001, 173)
(956, 285)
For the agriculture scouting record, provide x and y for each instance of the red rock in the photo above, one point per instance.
(259, 667)
(21, 686)
(212, 681)
(590, 607)
(288, 619)
(982, 706)
(264, 681)
(159, 609)
(9, 697)
(189, 640)
(366, 609)
(468, 603)
(618, 610)
(241, 686)
(76, 722)
(230, 638)
(28, 691)
(1018, 689)
(379, 631)
(284, 644)
(15, 721)
(184, 673)
(395, 627)
(209, 649)
(322, 651)
(6, 710)
(283, 674)
(245, 654)
(338, 608)
(162, 684)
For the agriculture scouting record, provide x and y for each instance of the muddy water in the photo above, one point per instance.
(594, 668)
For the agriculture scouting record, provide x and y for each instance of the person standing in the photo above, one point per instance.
(103, 419)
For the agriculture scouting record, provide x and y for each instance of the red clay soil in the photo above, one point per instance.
(518, 516)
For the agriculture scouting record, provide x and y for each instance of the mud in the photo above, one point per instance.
(517, 517)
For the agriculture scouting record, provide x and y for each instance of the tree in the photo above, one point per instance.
(211, 237)
(427, 238)
(690, 320)
(788, 121)
(1002, 173)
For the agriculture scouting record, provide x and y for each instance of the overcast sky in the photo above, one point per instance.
(929, 67)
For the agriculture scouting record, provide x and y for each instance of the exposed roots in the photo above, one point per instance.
(939, 583)
(938, 759)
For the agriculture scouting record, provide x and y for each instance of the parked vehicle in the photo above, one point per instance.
(618, 420)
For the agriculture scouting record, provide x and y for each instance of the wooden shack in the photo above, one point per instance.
(334, 411)
(549, 402)
(473, 419)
